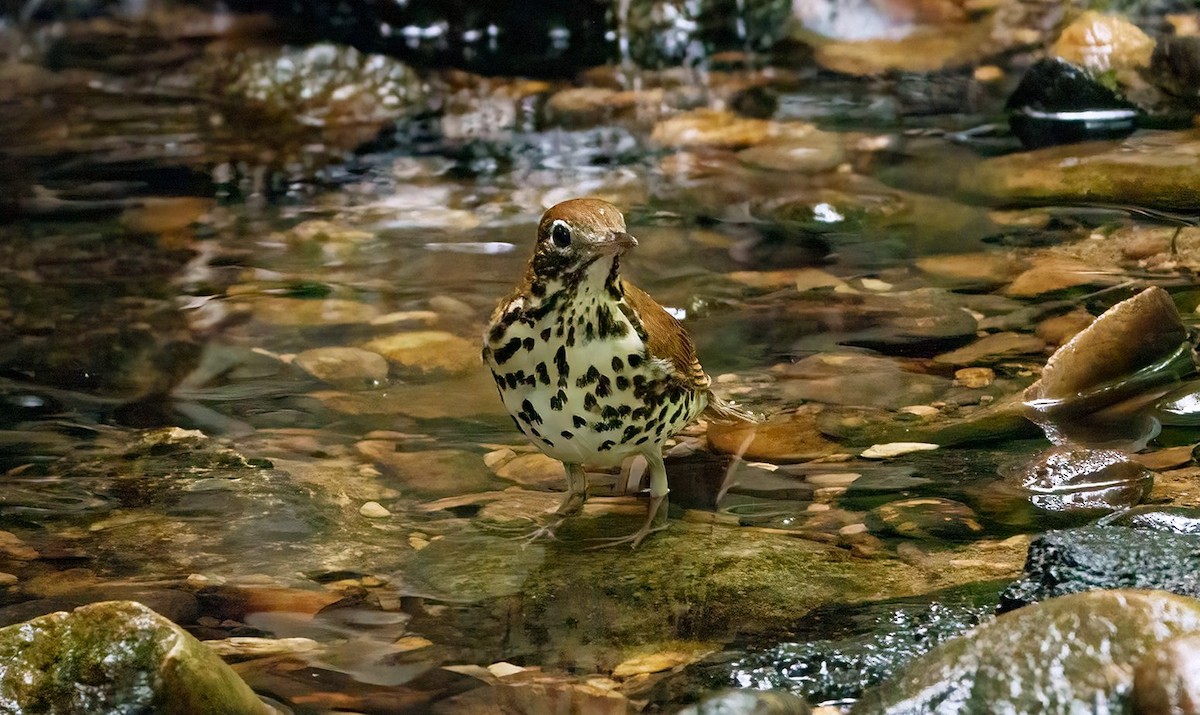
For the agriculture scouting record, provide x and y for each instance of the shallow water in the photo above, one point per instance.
(160, 431)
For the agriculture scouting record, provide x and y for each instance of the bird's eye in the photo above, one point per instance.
(561, 235)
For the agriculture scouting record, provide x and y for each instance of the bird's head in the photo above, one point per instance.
(576, 234)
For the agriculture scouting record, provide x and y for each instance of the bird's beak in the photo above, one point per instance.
(617, 243)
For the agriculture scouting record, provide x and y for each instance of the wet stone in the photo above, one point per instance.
(724, 130)
(791, 437)
(759, 702)
(1074, 653)
(927, 518)
(1095, 557)
(337, 365)
(993, 348)
(1148, 169)
(534, 470)
(1064, 479)
(130, 657)
(429, 473)
(814, 154)
(1166, 679)
(873, 641)
(427, 351)
(1171, 519)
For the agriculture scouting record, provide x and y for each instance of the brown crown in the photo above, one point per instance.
(595, 213)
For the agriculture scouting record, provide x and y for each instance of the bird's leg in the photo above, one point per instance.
(656, 511)
(571, 504)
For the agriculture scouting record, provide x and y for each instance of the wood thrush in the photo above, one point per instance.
(591, 369)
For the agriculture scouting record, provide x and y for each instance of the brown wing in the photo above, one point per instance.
(666, 338)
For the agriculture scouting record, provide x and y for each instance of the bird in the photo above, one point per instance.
(592, 369)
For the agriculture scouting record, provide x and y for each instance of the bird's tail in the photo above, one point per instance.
(721, 410)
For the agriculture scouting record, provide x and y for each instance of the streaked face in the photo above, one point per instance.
(574, 234)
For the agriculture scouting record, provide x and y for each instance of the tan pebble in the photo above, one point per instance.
(852, 529)
(417, 542)
(726, 377)
(975, 377)
(920, 410)
(416, 317)
(374, 510)
(818, 507)
(832, 479)
(496, 458)
(504, 669)
(8, 579)
(827, 494)
(988, 73)
(405, 644)
(895, 449)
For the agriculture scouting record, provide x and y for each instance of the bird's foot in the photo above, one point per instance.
(633, 539)
(656, 520)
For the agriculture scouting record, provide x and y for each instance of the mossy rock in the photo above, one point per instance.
(116, 656)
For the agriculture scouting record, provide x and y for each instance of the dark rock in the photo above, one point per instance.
(1058, 103)
(1175, 67)
(1070, 654)
(177, 606)
(851, 647)
(1171, 519)
(1095, 557)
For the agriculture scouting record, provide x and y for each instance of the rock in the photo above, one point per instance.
(1053, 274)
(927, 518)
(429, 473)
(8, 579)
(975, 377)
(237, 649)
(1167, 679)
(971, 270)
(872, 642)
(534, 470)
(792, 437)
(426, 351)
(1171, 519)
(116, 656)
(533, 691)
(816, 153)
(657, 662)
(1148, 169)
(1061, 328)
(994, 347)
(724, 130)
(895, 449)
(858, 379)
(476, 390)
(1164, 459)
(164, 216)
(1059, 102)
(303, 312)
(1175, 66)
(1070, 654)
(13, 547)
(1095, 557)
(1066, 479)
(1128, 336)
(1100, 43)
(926, 50)
(374, 510)
(336, 365)
(323, 84)
(758, 702)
